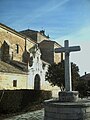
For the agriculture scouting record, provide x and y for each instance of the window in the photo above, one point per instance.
(14, 83)
(17, 48)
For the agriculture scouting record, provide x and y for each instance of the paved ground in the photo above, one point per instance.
(36, 115)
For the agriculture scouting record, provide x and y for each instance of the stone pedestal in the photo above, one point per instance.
(68, 96)
(56, 110)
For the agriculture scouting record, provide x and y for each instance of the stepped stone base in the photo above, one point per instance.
(68, 96)
(56, 110)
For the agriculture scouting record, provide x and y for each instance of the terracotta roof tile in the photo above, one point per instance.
(7, 68)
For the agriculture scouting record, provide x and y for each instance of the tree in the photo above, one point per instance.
(56, 74)
(82, 87)
(74, 75)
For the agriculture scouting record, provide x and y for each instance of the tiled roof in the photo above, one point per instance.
(19, 65)
(85, 77)
(7, 68)
(33, 34)
(30, 33)
(50, 41)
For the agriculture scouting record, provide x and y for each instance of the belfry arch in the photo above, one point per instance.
(37, 82)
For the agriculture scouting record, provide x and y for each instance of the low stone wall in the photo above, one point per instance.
(55, 110)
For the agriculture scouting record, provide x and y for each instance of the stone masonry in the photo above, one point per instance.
(67, 110)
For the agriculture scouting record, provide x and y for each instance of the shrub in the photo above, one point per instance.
(17, 100)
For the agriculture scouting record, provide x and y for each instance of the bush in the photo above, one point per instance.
(17, 100)
(82, 87)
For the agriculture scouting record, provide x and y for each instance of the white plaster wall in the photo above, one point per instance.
(37, 68)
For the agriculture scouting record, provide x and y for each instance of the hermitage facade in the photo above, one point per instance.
(24, 59)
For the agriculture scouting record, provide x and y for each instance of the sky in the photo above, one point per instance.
(61, 20)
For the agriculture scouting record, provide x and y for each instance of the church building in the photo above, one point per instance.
(25, 57)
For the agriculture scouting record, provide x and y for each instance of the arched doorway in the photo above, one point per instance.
(37, 82)
(5, 52)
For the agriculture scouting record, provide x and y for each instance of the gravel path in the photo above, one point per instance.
(36, 115)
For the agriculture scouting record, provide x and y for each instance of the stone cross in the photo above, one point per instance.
(66, 49)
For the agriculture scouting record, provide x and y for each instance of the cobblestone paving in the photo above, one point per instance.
(36, 115)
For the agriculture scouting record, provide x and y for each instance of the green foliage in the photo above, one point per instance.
(82, 87)
(56, 74)
(74, 75)
(18, 100)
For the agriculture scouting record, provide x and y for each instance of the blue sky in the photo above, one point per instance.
(61, 19)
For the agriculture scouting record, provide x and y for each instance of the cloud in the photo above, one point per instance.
(83, 34)
(55, 5)
(39, 12)
(82, 58)
(82, 38)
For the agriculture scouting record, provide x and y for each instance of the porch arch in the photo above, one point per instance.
(37, 82)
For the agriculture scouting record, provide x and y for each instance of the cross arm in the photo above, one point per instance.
(69, 49)
(74, 48)
(59, 50)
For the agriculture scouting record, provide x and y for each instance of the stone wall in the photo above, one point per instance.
(12, 40)
(41, 37)
(58, 57)
(7, 81)
(15, 41)
(14, 46)
(67, 110)
(47, 49)
(29, 44)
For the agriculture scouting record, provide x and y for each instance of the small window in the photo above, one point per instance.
(17, 48)
(14, 83)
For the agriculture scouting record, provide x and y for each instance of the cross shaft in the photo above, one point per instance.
(67, 51)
